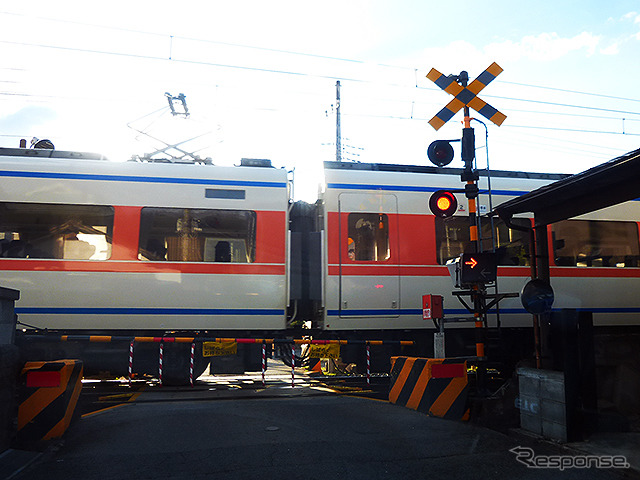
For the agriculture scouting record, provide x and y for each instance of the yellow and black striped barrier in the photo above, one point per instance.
(435, 386)
(49, 392)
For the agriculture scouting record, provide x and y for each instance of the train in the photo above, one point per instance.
(101, 247)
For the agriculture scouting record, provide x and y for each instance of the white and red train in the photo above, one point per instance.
(103, 247)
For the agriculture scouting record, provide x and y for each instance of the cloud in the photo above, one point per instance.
(454, 57)
(612, 49)
(543, 47)
(23, 121)
(635, 18)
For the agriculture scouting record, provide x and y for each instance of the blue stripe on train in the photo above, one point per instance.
(141, 179)
(462, 311)
(413, 188)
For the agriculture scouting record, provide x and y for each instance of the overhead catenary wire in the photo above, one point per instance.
(410, 69)
(287, 72)
(410, 82)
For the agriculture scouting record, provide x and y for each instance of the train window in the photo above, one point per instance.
(368, 237)
(197, 235)
(511, 246)
(452, 239)
(595, 243)
(70, 232)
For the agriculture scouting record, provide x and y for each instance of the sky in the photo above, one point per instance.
(260, 79)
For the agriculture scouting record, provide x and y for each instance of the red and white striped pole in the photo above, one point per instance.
(193, 350)
(160, 362)
(293, 365)
(131, 362)
(264, 362)
(368, 364)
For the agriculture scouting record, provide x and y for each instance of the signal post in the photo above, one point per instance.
(474, 269)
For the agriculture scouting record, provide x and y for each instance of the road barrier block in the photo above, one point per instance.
(49, 392)
(435, 386)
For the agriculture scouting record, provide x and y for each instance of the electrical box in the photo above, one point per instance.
(432, 307)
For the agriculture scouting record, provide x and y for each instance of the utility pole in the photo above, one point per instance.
(338, 129)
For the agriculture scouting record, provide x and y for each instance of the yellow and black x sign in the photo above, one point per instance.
(466, 96)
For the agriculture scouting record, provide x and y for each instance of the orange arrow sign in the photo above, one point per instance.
(473, 262)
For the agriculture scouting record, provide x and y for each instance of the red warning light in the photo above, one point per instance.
(443, 203)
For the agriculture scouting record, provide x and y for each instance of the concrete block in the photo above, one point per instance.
(529, 403)
(555, 412)
(554, 431)
(529, 385)
(542, 403)
(553, 390)
(531, 423)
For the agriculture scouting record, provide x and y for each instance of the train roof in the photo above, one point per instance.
(72, 155)
(49, 153)
(389, 167)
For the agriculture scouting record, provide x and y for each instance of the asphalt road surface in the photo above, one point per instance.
(308, 435)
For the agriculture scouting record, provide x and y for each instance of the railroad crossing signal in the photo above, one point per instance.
(440, 153)
(443, 204)
(465, 96)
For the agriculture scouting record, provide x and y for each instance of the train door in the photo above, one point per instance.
(369, 264)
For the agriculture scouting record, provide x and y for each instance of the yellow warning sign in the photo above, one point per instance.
(331, 350)
(219, 349)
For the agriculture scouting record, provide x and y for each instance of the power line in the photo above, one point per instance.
(572, 91)
(560, 143)
(576, 130)
(303, 74)
(190, 62)
(411, 70)
(592, 146)
(541, 102)
(203, 40)
(286, 72)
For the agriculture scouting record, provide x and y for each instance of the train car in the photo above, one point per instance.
(386, 249)
(101, 247)
(104, 247)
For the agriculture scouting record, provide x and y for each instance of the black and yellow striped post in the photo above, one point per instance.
(470, 175)
(435, 386)
(49, 393)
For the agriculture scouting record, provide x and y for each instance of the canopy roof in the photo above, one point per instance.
(613, 182)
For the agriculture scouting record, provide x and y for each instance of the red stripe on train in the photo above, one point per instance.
(140, 267)
(597, 272)
(390, 270)
(504, 271)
